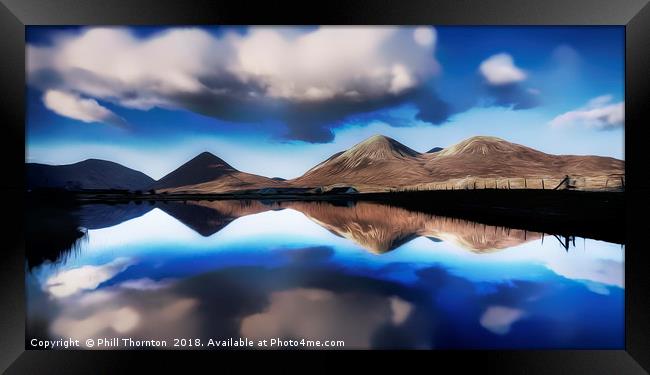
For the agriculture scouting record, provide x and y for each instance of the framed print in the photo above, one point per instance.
(436, 178)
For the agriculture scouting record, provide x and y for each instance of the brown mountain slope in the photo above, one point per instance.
(206, 173)
(380, 228)
(380, 163)
(495, 157)
(376, 162)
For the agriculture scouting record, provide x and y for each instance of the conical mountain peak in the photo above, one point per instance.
(210, 159)
(379, 147)
(202, 168)
(483, 145)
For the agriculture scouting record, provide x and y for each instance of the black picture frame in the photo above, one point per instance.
(633, 14)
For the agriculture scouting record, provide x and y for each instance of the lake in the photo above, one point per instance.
(354, 274)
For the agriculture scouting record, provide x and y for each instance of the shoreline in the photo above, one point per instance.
(590, 214)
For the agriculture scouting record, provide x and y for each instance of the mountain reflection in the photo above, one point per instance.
(296, 269)
(381, 228)
(209, 217)
(375, 227)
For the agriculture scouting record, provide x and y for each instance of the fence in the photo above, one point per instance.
(612, 182)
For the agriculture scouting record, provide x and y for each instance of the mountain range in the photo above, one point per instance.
(377, 164)
(380, 162)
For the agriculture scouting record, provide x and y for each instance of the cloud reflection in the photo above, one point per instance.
(69, 282)
(499, 319)
(319, 314)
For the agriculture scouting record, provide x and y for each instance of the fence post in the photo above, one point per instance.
(561, 182)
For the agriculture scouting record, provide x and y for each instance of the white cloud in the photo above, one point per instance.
(69, 282)
(353, 317)
(118, 312)
(500, 69)
(78, 108)
(605, 272)
(307, 79)
(336, 60)
(599, 101)
(425, 36)
(599, 113)
(401, 310)
(190, 68)
(120, 321)
(499, 319)
(401, 79)
(146, 284)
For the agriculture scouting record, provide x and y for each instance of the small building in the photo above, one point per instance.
(343, 190)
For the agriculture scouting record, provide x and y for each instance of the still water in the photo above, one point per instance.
(367, 274)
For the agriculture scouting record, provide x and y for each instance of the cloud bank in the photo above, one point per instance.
(309, 80)
(599, 113)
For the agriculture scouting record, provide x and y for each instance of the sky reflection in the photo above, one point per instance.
(278, 273)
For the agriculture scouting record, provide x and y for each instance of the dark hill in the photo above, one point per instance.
(87, 174)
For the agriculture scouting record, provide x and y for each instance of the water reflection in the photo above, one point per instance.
(372, 275)
(379, 228)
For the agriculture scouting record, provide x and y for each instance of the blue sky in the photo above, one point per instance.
(276, 101)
